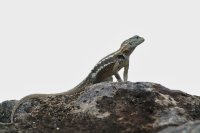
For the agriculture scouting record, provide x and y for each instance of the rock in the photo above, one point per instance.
(5, 110)
(140, 107)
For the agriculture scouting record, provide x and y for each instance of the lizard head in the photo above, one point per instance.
(130, 44)
(133, 41)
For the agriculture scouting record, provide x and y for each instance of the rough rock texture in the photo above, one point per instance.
(140, 107)
(5, 110)
(190, 127)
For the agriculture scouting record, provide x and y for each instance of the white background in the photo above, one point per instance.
(51, 46)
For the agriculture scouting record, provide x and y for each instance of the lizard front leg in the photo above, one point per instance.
(117, 76)
(121, 62)
(126, 72)
(117, 66)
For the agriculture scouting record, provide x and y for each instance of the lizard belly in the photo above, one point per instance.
(104, 73)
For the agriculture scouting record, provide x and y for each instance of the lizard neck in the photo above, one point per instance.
(127, 51)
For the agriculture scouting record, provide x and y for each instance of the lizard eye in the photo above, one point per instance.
(137, 37)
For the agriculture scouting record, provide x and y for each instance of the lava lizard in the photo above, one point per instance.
(102, 71)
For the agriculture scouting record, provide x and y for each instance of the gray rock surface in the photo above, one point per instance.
(189, 127)
(5, 110)
(140, 107)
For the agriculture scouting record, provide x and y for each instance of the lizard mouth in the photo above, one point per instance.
(139, 40)
(142, 40)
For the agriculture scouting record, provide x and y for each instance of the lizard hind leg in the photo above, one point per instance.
(117, 76)
(108, 79)
(93, 79)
